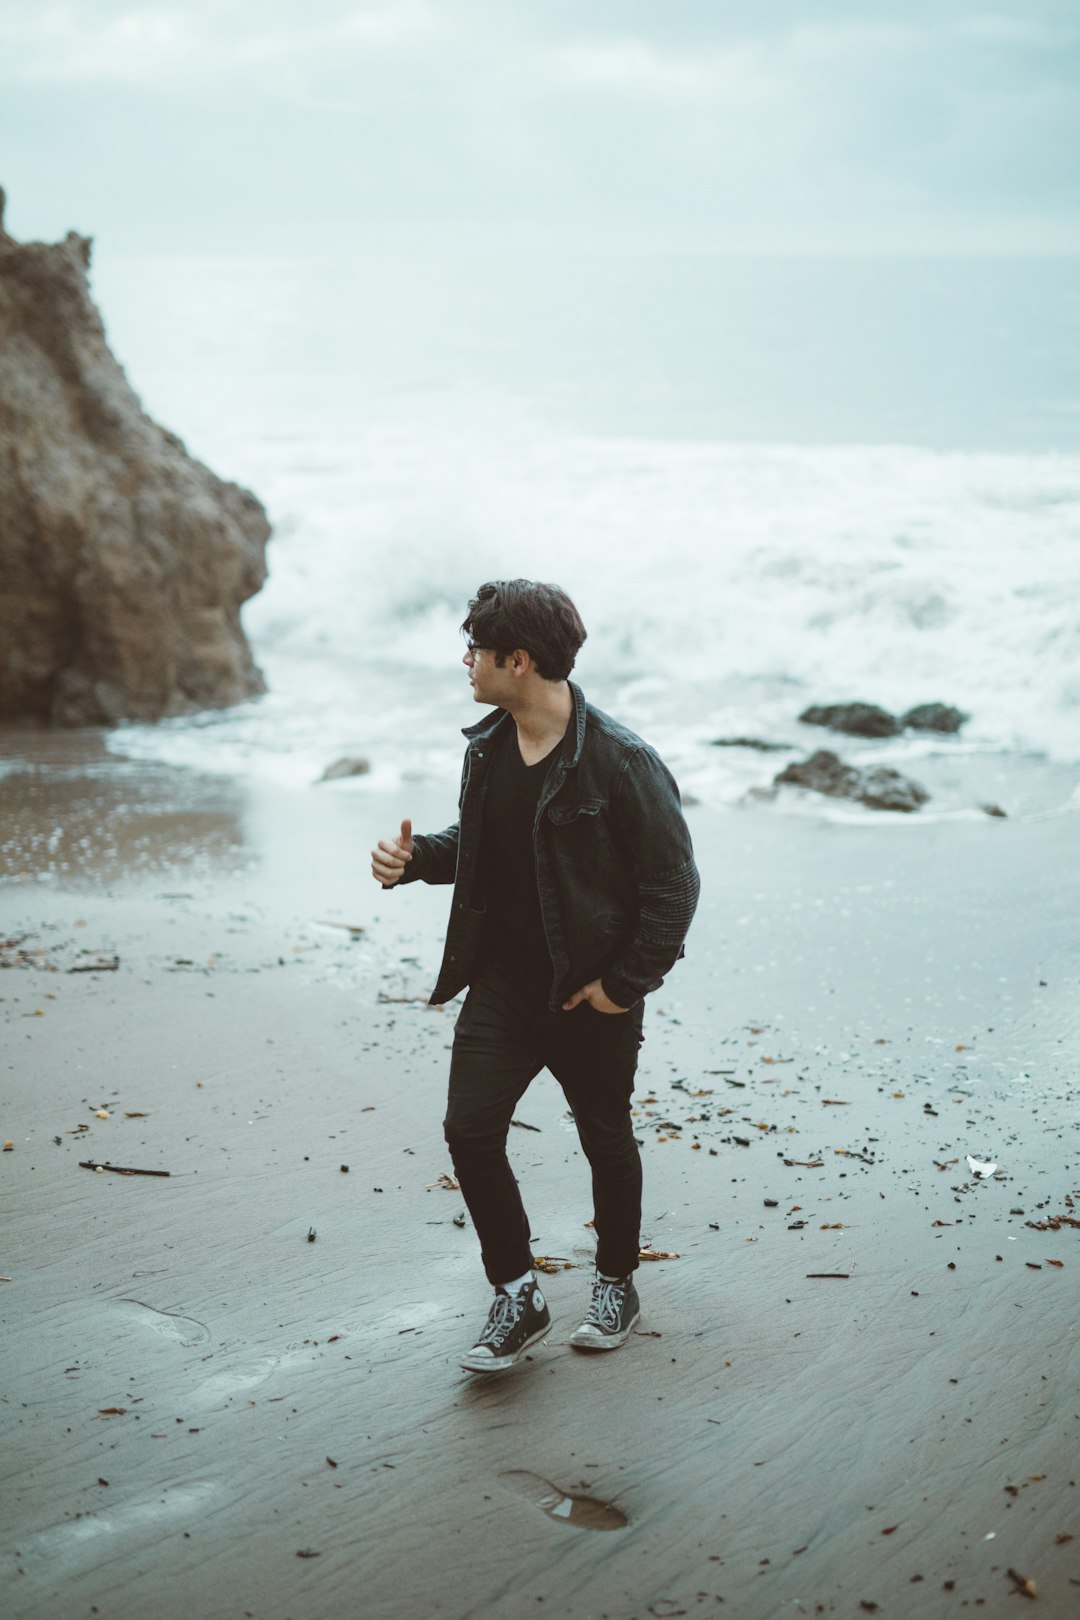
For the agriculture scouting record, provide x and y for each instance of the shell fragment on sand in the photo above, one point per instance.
(980, 1167)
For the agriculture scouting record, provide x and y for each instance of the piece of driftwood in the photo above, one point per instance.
(120, 1170)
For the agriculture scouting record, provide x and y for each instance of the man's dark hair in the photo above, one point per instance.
(541, 619)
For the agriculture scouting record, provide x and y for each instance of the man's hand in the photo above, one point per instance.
(594, 994)
(389, 857)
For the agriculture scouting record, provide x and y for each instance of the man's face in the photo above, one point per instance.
(490, 684)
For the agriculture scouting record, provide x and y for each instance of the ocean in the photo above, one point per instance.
(766, 483)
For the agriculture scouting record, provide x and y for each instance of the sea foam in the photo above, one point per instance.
(725, 584)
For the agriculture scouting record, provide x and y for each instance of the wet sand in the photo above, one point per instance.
(855, 1387)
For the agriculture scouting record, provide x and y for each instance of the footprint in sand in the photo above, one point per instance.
(128, 1526)
(567, 1507)
(222, 1386)
(170, 1324)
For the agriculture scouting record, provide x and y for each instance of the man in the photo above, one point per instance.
(574, 886)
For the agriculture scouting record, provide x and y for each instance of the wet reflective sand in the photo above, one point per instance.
(855, 1386)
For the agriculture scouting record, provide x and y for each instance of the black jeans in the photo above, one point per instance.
(505, 1035)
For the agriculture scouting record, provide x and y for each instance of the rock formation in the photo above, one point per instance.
(869, 720)
(123, 562)
(934, 717)
(349, 766)
(880, 788)
(857, 719)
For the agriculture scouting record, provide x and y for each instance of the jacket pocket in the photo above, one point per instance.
(563, 815)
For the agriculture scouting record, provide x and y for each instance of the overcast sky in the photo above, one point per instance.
(238, 126)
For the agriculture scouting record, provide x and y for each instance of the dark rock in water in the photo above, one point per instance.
(880, 788)
(857, 719)
(123, 562)
(934, 717)
(751, 742)
(993, 810)
(868, 720)
(345, 767)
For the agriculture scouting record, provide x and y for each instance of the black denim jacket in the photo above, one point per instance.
(614, 864)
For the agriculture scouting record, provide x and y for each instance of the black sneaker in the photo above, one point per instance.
(610, 1318)
(515, 1321)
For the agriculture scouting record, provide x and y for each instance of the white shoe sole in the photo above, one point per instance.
(481, 1361)
(584, 1338)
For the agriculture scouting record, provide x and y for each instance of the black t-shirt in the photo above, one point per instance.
(514, 931)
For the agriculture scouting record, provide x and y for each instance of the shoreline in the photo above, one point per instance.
(861, 1011)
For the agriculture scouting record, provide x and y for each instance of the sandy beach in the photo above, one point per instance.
(232, 1389)
(324, 332)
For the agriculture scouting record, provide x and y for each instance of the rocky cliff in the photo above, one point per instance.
(123, 562)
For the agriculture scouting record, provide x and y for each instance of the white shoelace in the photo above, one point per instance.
(606, 1304)
(506, 1309)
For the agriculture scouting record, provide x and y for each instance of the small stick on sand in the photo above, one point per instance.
(120, 1170)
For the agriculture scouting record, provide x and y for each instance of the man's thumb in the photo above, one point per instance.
(406, 836)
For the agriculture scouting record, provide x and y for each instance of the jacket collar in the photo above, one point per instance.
(571, 744)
